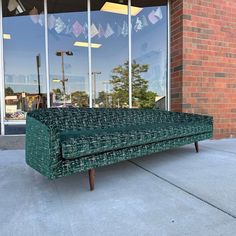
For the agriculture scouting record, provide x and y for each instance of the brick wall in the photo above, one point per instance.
(176, 54)
(204, 61)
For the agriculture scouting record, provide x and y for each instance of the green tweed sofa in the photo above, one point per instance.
(63, 141)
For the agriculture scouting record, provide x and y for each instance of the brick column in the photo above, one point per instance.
(176, 11)
(204, 61)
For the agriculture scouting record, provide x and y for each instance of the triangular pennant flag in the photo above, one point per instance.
(144, 21)
(152, 18)
(109, 31)
(85, 30)
(119, 30)
(59, 25)
(77, 29)
(51, 22)
(125, 30)
(138, 25)
(41, 18)
(34, 15)
(69, 29)
(158, 13)
(12, 5)
(101, 31)
(94, 30)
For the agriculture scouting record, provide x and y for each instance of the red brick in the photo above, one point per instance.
(203, 48)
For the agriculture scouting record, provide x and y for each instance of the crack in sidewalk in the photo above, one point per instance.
(184, 190)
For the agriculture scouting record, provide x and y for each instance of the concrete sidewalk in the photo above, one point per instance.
(177, 192)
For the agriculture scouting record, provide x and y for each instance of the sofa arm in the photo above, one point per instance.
(42, 147)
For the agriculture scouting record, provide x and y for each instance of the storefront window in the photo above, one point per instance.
(24, 57)
(149, 55)
(68, 53)
(109, 31)
(70, 79)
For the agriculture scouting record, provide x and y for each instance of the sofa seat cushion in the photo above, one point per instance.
(79, 143)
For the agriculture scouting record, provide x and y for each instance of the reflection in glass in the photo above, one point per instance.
(68, 53)
(149, 55)
(109, 29)
(24, 57)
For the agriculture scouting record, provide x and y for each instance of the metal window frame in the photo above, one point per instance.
(168, 92)
(2, 74)
(47, 52)
(90, 55)
(130, 54)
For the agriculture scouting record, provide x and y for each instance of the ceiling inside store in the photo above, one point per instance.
(59, 6)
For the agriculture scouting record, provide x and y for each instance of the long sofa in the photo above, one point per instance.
(64, 141)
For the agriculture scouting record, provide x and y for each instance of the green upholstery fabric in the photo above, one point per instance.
(77, 144)
(63, 141)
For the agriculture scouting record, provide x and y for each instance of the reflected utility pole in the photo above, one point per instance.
(63, 80)
(94, 76)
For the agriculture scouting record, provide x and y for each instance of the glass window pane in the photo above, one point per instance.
(109, 37)
(149, 54)
(68, 53)
(24, 57)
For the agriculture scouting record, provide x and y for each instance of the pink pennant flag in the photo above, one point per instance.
(77, 29)
(152, 18)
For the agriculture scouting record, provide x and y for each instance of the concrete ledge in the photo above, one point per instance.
(12, 142)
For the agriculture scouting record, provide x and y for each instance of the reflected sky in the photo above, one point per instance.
(149, 45)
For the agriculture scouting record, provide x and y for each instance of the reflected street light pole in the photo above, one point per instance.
(94, 74)
(63, 80)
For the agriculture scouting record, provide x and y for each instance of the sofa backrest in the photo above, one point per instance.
(90, 118)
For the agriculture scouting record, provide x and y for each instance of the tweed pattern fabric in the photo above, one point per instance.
(78, 144)
(44, 129)
(68, 167)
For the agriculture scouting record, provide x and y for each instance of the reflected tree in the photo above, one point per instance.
(58, 94)
(80, 99)
(9, 91)
(120, 82)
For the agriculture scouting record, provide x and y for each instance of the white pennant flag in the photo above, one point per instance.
(144, 20)
(85, 30)
(41, 18)
(101, 31)
(51, 22)
(138, 25)
(125, 30)
(109, 31)
(59, 25)
(34, 15)
(158, 13)
(12, 5)
(119, 30)
(94, 30)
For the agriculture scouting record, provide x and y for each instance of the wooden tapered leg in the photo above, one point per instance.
(91, 178)
(196, 146)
